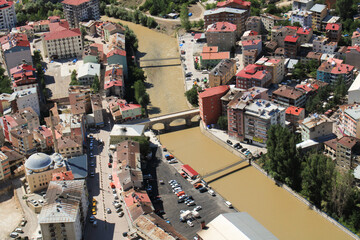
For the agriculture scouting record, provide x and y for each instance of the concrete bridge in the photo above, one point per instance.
(167, 119)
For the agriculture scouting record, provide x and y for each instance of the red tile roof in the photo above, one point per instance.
(250, 42)
(332, 26)
(58, 26)
(214, 56)
(221, 27)
(116, 51)
(74, 2)
(67, 33)
(291, 38)
(304, 31)
(213, 49)
(252, 71)
(214, 91)
(357, 48)
(61, 176)
(189, 170)
(292, 110)
(129, 106)
(342, 69)
(239, 2)
(113, 83)
(5, 4)
(307, 88)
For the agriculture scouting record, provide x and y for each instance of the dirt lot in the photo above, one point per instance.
(10, 215)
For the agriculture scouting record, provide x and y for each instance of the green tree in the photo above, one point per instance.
(223, 122)
(318, 177)
(283, 160)
(141, 95)
(184, 17)
(96, 84)
(192, 96)
(37, 57)
(5, 83)
(74, 80)
(83, 32)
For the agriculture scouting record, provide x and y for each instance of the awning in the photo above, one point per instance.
(189, 170)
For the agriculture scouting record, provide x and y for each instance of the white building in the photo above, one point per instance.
(354, 91)
(64, 214)
(315, 126)
(323, 45)
(25, 98)
(87, 72)
(302, 4)
(303, 17)
(259, 116)
(8, 15)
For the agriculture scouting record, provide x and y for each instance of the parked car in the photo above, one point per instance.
(191, 203)
(229, 142)
(181, 200)
(109, 165)
(244, 150)
(108, 210)
(197, 208)
(190, 223)
(110, 177)
(121, 214)
(14, 234)
(211, 192)
(183, 175)
(92, 219)
(203, 189)
(198, 185)
(19, 230)
(180, 193)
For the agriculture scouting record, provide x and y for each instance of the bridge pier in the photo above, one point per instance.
(166, 126)
(188, 122)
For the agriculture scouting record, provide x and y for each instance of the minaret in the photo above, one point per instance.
(53, 133)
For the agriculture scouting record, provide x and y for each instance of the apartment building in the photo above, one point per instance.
(250, 119)
(5, 172)
(333, 31)
(87, 72)
(63, 215)
(238, 4)
(253, 23)
(294, 115)
(303, 17)
(315, 126)
(333, 69)
(252, 45)
(44, 139)
(223, 73)
(22, 75)
(221, 35)
(7, 15)
(118, 57)
(350, 120)
(114, 81)
(63, 43)
(305, 34)
(249, 56)
(225, 14)
(76, 11)
(122, 111)
(210, 103)
(25, 98)
(23, 141)
(324, 45)
(39, 168)
(70, 146)
(354, 91)
(303, 5)
(352, 56)
(275, 66)
(348, 152)
(292, 43)
(15, 49)
(355, 38)
(211, 56)
(4, 102)
(110, 29)
(319, 12)
(97, 109)
(279, 33)
(268, 20)
(253, 75)
(289, 96)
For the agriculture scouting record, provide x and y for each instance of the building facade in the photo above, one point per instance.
(333, 31)
(274, 65)
(253, 75)
(269, 20)
(315, 126)
(76, 11)
(231, 15)
(223, 73)
(222, 35)
(323, 45)
(332, 70)
(25, 98)
(303, 17)
(319, 12)
(87, 72)
(289, 96)
(8, 15)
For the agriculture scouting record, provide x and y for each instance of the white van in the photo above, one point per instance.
(228, 204)
(14, 234)
(211, 192)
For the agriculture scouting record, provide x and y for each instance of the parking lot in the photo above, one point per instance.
(212, 206)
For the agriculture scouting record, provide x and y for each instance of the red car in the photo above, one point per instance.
(180, 193)
(109, 165)
(183, 175)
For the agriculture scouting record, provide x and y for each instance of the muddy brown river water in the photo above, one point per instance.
(248, 189)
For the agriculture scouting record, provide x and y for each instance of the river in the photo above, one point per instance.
(248, 189)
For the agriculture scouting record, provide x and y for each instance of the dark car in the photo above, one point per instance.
(110, 160)
(229, 142)
(236, 145)
(181, 200)
(203, 189)
(244, 150)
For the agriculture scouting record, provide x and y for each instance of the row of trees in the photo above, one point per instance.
(36, 10)
(163, 7)
(314, 176)
(304, 70)
(131, 16)
(37, 59)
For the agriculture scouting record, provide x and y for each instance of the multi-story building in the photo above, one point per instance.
(249, 56)
(114, 81)
(303, 17)
(350, 120)
(333, 31)
(253, 75)
(347, 152)
(25, 98)
(39, 168)
(97, 109)
(253, 23)
(210, 103)
(8, 15)
(211, 56)
(275, 66)
(129, 171)
(4, 102)
(294, 115)
(292, 43)
(44, 138)
(278, 34)
(87, 72)
(222, 35)
(252, 44)
(15, 50)
(118, 57)
(122, 111)
(23, 141)
(63, 215)
(250, 119)
(269, 20)
(352, 56)
(5, 172)
(70, 146)
(238, 4)
(315, 126)
(305, 34)
(223, 73)
(289, 96)
(76, 11)
(63, 43)
(23, 75)
(354, 91)
(231, 15)
(302, 5)
(319, 12)
(110, 29)
(355, 38)
(333, 69)
(323, 45)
